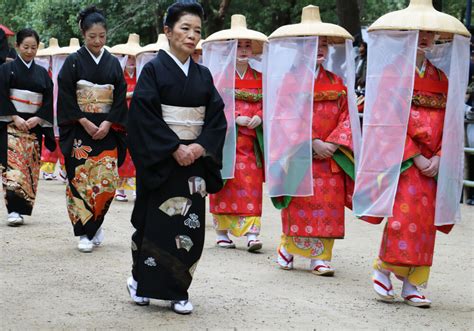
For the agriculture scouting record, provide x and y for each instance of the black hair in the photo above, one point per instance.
(181, 8)
(25, 33)
(90, 16)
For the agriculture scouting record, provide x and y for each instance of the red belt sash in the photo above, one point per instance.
(248, 84)
(429, 85)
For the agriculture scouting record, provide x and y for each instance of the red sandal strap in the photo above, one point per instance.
(284, 257)
(225, 241)
(316, 268)
(409, 297)
(382, 285)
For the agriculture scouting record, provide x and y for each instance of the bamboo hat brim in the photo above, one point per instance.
(161, 43)
(132, 47)
(72, 48)
(238, 30)
(311, 25)
(52, 49)
(421, 15)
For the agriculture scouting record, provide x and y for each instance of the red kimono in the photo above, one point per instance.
(409, 235)
(242, 195)
(127, 169)
(46, 154)
(322, 215)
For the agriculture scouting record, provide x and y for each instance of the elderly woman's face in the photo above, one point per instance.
(185, 34)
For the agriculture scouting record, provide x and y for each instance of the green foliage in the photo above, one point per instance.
(57, 18)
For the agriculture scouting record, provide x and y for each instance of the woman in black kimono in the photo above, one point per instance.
(176, 132)
(91, 98)
(26, 114)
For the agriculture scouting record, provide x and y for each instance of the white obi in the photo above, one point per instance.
(26, 101)
(94, 98)
(186, 122)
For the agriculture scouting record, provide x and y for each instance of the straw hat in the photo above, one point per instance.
(311, 25)
(73, 47)
(41, 46)
(161, 43)
(51, 50)
(421, 15)
(238, 30)
(132, 47)
(199, 46)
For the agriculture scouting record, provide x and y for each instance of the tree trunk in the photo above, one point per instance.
(348, 15)
(215, 16)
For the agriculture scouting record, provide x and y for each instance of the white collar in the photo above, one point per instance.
(28, 65)
(183, 66)
(238, 73)
(96, 59)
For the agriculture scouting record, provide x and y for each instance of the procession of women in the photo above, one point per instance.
(237, 117)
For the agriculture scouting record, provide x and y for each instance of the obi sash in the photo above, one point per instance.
(94, 98)
(431, 101)
(186, 122)
(26, 101)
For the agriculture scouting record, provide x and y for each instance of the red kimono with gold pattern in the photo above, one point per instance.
(322, 214)
(242, 195)
(409, 235)
(127, 169)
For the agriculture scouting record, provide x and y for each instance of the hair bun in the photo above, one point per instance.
(87, 11)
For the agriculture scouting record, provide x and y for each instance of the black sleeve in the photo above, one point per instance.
(45, 112)
(150, 140)
(214, 130)
(6, 106)
(68, 109)
(118, 112)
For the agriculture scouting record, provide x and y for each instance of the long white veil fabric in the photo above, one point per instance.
(143, 59)
(122, 60)
(389, 90)
(289, 73)
(451, 169)
(43, 62)
(220, 58)
(56, 65)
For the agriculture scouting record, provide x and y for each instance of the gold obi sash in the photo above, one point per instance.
(186, 122)
(26, 101)
(94, 98)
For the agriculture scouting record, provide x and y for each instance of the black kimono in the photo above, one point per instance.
(91, 165)
(170, 206)
(20, 151)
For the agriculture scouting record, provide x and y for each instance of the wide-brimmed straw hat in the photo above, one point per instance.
(238, 30)
(421, 15)
(51, 50)
(132, 47)
(161, 43)
(73, 47)
(311, 25)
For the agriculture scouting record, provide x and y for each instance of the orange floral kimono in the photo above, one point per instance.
(238, 206)
(310, 224)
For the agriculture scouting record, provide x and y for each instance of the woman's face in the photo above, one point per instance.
(95, 38)
(426, 40)
(185, 34)
(28, 49)
(322, 49)
(244, 49)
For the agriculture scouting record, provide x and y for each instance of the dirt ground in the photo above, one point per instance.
(45, 283)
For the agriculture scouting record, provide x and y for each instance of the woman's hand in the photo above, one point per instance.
(421, 162)
(197, 150)
(254, 122)
(184, 155)
(242, 120)
(433, 168)
(102, 131)
(33, 122)
(90, 127)
(20, 123)
(323, 150)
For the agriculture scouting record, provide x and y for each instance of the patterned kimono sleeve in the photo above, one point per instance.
(411, 148)
(342, 134)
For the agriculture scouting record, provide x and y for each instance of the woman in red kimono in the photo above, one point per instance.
(409, 235)
(310, 224)
(127, 170)
(237, 208)
(410, 168)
